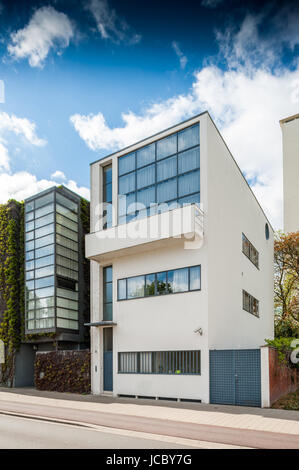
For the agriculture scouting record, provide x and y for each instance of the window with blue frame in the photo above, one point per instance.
(166, 171)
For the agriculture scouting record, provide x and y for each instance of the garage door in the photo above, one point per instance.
(235, 377)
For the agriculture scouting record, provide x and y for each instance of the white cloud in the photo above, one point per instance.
(109, 25)
(211, 3)
(183, 59)
(47, 29)
(246, 100)
(21, 127)
(22, 184)
(58, 175)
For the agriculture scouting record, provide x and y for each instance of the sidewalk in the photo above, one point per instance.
(234, 417)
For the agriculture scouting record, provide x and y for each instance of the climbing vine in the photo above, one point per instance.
(11, 283)
(85, 221)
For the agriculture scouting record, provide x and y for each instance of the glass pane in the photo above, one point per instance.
(31, 325)
(126, 184)
(29, 265)
(107, 274)
(46, 292)
(30, 285)
(66, 232)
(126, 163)
(66, 272)
(189, 183)
(47, 271)
(62, 250)
(44, 313)
(29, 245)
(67, 263)
(150, 284)
(46, 250)
(48, 240)
(29, 255)
(146, 197)
(167, 168)
(66, 212)
(146, 176)
(68, 324)
(45, 261)
(42, 201)
(66, 303)
(122, 289)
(178, 280)
(44, 282)
(44, 210)
(66, 242)
(161, 283)
(167, 146)
(47, 219)
(66, 202)
(29, 236)
(107, 312)
(44, 303)
(245, 245)
(67, 293)
(188, 137)
(108, 292)
(29, 206)
(194, 199)
(107, 174)
(246, 301)
(29, 216)
(167, 190)
(29, 226)
(188, 160)
(46, 230)
(29, 275)
(195, 278)
(135, 287)
(145, 155)
(107, 193)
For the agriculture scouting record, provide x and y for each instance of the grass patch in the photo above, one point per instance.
(288, 402)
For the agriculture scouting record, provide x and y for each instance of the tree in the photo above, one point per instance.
(286, 284)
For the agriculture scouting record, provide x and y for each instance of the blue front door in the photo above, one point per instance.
(108, 359)
(108, 371)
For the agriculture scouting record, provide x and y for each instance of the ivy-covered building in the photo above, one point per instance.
(44, 293)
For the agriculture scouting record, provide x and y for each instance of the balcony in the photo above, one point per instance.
(183, 225)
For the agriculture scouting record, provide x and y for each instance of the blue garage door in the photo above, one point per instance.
(235, 377)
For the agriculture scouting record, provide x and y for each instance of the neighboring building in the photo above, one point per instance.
(290, 142)
(182, 297)
(56, 288)
(47, 306)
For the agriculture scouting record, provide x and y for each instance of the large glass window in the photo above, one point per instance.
(161, 283)
(108, 293)
(164, 171)
(41, 265)
(160, 362)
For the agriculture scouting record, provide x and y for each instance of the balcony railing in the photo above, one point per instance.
(175, 226)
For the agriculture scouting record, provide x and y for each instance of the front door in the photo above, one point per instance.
(108, 359)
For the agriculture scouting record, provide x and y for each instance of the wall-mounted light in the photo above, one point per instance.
(198, 330)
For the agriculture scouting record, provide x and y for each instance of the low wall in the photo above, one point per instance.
(63, 371)
(282, 378)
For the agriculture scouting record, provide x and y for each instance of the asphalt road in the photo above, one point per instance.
(24, 433)
(121, 430)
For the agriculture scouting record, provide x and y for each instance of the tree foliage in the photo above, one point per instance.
(286, 284)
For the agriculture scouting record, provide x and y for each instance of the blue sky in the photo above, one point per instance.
(84, 78)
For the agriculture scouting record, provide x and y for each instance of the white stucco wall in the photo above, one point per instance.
(290, 141)
(168, 322)
(233, 210)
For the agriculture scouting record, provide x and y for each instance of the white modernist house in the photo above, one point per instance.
(181, 271)
(290, 142)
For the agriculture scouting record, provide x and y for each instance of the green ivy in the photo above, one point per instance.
(284, 349)
(11, 282)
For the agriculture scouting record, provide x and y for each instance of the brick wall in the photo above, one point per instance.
(282, 379)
